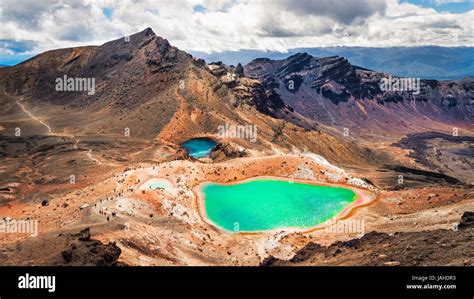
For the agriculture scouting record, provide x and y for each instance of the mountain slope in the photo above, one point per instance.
(153, 90)
(68, 162)
(427, 62)
(332, 91)
(135, 82)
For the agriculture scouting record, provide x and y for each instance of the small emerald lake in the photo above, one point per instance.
(199, 147)
(266, 204)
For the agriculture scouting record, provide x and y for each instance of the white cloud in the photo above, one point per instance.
(235, 24)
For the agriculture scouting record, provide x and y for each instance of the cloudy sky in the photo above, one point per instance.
(29, 27)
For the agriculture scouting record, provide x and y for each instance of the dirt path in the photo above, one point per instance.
(34, 117)
(52, 133)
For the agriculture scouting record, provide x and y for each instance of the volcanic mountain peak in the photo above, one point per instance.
(134, 71)
(136, 39)
(144, 45)
(66, 56)
(333, 91)
(149, 97)
(147, 31)
(136, 78)
(304, 63)
(139, 40)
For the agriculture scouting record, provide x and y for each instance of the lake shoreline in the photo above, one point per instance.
(363, 198)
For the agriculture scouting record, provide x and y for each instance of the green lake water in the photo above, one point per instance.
(265, 204)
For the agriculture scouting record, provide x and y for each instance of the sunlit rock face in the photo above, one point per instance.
(332, 91)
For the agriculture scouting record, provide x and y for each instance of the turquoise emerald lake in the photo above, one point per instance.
(199, 147)
(266, 204)
(157, 184)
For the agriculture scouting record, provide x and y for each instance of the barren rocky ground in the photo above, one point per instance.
(72, 168)
(422, 248)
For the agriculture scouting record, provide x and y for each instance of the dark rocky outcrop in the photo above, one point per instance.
(82, 250)
(447, 154)
(332, 91)
(224, 151)
(422, 248)
(467, 220)
(65, 249)
(239, 70)
(433, 177)
(251, 92)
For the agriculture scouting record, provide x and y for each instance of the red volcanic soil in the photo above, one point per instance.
(74, 166)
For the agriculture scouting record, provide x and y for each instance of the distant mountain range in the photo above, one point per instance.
(136, 81)
(334, 92)
(428, 62)
(309, 114)
(140, 79)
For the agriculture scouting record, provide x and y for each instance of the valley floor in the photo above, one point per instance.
(165, 227)
(70, 182)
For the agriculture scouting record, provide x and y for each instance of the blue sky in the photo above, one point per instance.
(14, 59)
(199, 8)
(30, 27)
(108, 12)
(445, 6)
